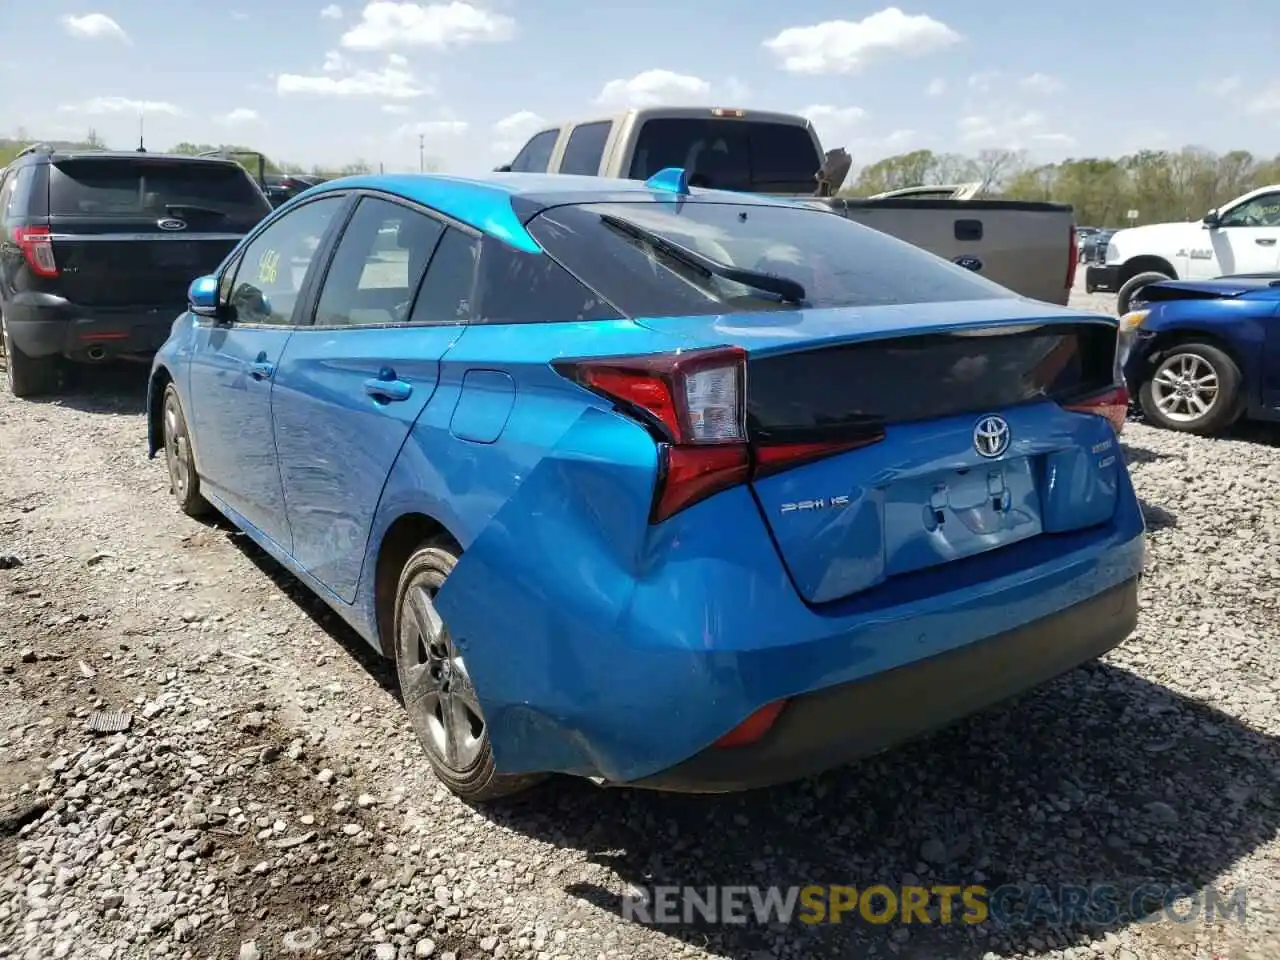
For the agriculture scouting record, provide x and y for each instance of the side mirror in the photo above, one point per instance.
(1211, 219)
(505, 168)
(202, 296)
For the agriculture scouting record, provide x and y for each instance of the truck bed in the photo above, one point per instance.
(1023, 245)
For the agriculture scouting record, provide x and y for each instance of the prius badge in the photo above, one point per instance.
(991, 436)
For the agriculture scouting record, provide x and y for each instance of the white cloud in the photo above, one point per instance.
(399, 109)
(108, 105)
(385, 25)
(333, 61)
(936, 88)
(1042, 83)
(983, 81)
(331, 12)
(392, 82)
(1223, 87)
(513, 131)
(1015, 131)
(1267, 102)
(95, 26)
(518, 122)
(238, 15)
(898, 139)
(654, 87)
(240, 115)
(844, 46)
(433, 128)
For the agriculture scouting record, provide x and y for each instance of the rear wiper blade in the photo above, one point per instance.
(195, 208)
(788, 290)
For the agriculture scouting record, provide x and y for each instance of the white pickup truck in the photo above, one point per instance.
(1028, 247)
(1240, 237)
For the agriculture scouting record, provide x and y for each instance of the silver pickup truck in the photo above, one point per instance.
(1028, 247)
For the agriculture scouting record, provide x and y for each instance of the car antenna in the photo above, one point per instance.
(141, 147)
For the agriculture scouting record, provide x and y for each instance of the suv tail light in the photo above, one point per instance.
(37, 246)
(1073, 261)
(694, 403)
(1113, 404)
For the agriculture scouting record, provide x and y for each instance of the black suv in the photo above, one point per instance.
(97, 249)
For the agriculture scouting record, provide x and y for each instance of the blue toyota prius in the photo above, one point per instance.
(668, 488)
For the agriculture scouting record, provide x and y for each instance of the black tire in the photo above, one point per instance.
(1124, 297)
(184, 481)
(27, 376)
(435, 686)
(1222, 412)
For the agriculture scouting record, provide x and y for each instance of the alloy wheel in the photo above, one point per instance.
(1185, 387)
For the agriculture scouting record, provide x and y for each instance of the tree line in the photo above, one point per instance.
(10, 147)
(1161, 185)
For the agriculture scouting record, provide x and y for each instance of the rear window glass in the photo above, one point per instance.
(838, 263)
(133, 188)
(739, 155)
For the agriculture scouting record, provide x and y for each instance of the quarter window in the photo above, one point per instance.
(378, 265)
(273, 267)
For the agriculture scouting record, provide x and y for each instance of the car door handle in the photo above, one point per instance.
(261, 370)
(388, 390)
(1265, 241)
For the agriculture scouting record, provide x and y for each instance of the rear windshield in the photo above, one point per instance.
(839, 263)
(190, 190)
(740, 155)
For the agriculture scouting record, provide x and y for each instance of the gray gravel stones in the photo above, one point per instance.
(269, 800)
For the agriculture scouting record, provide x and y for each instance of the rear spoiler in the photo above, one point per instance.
(231, 154)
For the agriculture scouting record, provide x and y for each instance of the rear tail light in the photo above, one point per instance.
(1113, 404)
(37, 246)
(694, 403)
(1073, 261)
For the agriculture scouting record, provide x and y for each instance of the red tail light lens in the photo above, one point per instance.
(37, 246)
(694, 403)
(1073, 261)
(1112, 404)
(750, 730)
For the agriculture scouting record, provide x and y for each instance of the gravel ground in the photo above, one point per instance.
(268, 800)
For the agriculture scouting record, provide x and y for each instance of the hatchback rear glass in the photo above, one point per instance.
(740, 155)
(100, 187)
(839, 263)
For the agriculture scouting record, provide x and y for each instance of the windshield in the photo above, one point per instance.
(154, 188)
(837, 262)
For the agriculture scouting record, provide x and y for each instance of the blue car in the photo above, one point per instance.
(1206, 353)
(668, 488)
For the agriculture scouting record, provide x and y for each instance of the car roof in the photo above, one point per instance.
(87, 154)
(488, 202)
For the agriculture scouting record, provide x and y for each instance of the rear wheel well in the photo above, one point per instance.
(402, 538)
(1142, 264)
(155, 414)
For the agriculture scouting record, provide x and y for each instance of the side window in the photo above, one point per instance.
(17, 187)
(535, 157)
(585, 149)
(1263, 211)
(378, 264)
(519, 287)
(274, 265)
(449, 286)
(7, 178)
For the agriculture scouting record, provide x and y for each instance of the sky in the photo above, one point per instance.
(315, 83)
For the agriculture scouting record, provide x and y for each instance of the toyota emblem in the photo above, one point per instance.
(171, 223)
(991, 436)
